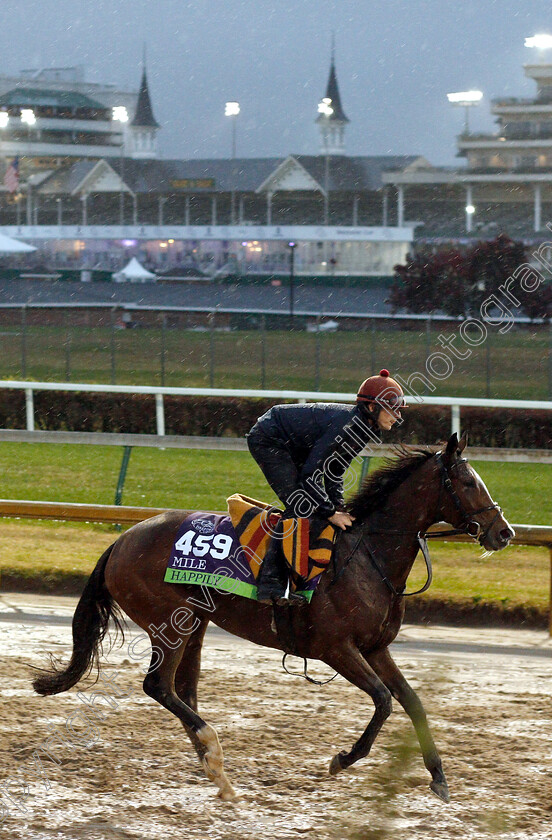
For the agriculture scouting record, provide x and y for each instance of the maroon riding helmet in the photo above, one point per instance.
(383, 390)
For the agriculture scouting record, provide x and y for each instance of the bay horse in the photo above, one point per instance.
(355, 614)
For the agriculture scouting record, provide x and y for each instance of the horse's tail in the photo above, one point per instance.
(90, 623)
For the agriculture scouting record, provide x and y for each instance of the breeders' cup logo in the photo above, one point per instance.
(203, 526)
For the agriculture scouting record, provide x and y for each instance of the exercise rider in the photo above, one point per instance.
(304, 451)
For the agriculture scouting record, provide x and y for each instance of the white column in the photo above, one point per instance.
(400, 206)
(29, 204)
(213, 210)
(134, 209)
(537, 213)
(187, 211)
(241, 210)
(84, 199)
(162, 200)
(385, 207)
(269, 208)
(469, 203)
(355, 211)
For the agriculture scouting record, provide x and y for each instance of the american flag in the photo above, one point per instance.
(11, 178)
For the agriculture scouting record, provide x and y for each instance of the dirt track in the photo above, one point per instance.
(490, 715)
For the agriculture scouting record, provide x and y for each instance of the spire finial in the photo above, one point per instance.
(144, 57)
(333, 46)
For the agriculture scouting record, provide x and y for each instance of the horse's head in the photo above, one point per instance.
(465, 501)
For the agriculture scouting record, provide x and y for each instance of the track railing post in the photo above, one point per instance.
(160, 414)
(29, 409)
(455, 419)
(122, 475)
(364, 469)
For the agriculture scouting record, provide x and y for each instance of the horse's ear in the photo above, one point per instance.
(463, 442)
(452, 446)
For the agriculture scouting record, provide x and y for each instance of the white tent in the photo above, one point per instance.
(134, 273)
(14, 246)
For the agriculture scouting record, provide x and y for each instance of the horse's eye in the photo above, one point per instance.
(469, 482)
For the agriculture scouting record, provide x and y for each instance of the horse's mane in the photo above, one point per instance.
(378, 486)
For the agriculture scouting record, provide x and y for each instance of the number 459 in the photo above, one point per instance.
(218, 545)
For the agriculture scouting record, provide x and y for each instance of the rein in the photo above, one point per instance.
(422, 542)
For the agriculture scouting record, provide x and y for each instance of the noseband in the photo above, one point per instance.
(469, 524)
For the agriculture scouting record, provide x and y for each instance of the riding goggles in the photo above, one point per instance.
(395, 402)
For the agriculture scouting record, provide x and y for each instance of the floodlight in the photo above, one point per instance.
(465, 97)
(231, 109)
(119, 113)
(325, 107)
(543, 41)
(28, 116)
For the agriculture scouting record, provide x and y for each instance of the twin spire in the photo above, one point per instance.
(144, 112)
(144, 126)
(332, 118)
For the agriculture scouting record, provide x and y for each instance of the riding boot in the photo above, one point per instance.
(273, 575)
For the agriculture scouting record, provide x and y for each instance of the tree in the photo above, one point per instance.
(419, 285)
(457, 282)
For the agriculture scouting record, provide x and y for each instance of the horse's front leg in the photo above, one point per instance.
(387, 669)
(350, 663)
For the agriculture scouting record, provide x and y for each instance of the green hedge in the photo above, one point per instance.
(233, 417)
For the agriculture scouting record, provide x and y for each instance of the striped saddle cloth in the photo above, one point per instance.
(307, 547)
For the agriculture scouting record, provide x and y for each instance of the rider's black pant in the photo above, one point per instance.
(277, 465)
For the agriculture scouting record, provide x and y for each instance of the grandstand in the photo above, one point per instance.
(507, 180)
(95, 186)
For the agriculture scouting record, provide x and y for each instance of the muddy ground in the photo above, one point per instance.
(490, 713)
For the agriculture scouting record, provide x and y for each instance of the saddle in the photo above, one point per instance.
(307, 545)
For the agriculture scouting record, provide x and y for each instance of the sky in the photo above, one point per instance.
(396, 60)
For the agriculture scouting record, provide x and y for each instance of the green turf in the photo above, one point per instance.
(292, 360)
(194, 479)
(204, 479)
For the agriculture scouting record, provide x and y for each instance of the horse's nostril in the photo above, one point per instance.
(506, 534)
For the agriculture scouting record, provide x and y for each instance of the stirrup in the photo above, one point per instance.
(294, 599)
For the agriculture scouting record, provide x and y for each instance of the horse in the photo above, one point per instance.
(355, 614)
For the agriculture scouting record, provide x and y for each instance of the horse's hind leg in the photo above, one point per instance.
(187, 672)
(160, 685)
(387, 669)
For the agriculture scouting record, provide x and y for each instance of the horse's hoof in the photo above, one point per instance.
(228, 794)
(335, 765)
(441, 790)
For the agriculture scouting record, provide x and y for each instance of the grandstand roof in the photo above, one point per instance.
(39, 97)
(210, 175)
(353, 173)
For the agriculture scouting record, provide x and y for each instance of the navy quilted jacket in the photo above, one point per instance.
(312, 434)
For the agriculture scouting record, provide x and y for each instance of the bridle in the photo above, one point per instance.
(469, 525)
(466, 527)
